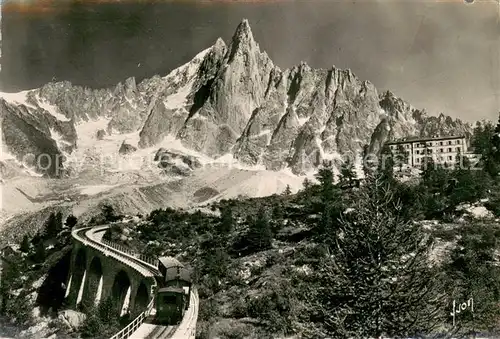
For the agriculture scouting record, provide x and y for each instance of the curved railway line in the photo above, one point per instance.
(142, 326)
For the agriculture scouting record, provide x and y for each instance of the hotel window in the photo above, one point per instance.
(449, 149)
(440, 143)
(458, 149)
(458, 142)
(441, 150)
(450, 157)
(417, 152)
(417, 160)
(449, 142)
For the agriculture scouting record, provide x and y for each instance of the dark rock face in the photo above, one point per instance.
(175, 163)
(231, 99)
(100, 134)
(126, 148)
(30, 135)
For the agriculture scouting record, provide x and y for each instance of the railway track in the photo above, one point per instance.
(162, 332)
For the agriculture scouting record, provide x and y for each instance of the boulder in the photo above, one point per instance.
(126, 148)
(100, 134)
(72, 319)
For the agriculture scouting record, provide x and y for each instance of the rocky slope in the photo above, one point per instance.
(230, 99)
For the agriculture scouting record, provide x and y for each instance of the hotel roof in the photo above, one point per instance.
(422, 139)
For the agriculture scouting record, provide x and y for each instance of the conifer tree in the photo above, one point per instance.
(329, 202)
(496, 139)
(109, 214)
(51, 227)
(225, 226)
(482, 142)
(260, 233)
(59, 221)
(377, 280)
(347, 173)
(71, 221)
(25, 244)
(386, 164)
(401, 157)
(288, 190)
(40, 253)
(277, 217)
(326, 178)
(306, 184)
(368, 161)
(306, 194)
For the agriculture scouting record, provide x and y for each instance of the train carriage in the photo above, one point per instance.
(170, 305)
(172, 298)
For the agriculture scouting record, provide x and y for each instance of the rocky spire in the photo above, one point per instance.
(243, 32)
(242, 40)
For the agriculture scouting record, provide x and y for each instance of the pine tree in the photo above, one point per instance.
(326, 178)
(368, 161)
(225, 226)
(494, 163)
(377, 280)
(260, 233)
(216, 262)
(40, 253)
(496, 139)
(482, 142)
(386, 164)
(482, 137)
(277, 217)
(306, 195)
(59, 221)
(288, 190)
(330, 204)
(347, 173)
(462, 163)
(71, 221)
(401, 157)
(306, 184)
(25, 244)
(108, 212)
(51, 227)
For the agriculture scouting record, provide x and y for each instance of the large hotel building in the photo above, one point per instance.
(443, 150)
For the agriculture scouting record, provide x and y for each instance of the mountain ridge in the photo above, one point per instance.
(229, 99)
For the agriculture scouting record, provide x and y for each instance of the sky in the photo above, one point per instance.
(442, 56)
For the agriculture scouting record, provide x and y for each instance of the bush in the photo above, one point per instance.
(471, 272)
(92, 326)
(273, 307)
(208, 310)
(236, 331)
(101, 321)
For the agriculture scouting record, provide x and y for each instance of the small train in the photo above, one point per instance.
(174, 291)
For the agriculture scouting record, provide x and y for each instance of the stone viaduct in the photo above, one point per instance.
(101, 270)
(96, 275)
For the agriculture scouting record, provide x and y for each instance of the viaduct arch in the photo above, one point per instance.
(94, 277)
